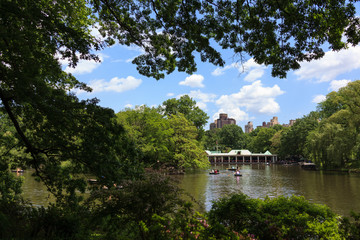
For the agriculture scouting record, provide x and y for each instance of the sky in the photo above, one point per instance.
(245, 92)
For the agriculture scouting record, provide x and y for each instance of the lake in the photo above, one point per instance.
(339, 191)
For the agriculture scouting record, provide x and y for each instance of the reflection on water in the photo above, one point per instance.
(34, 190)
(341, 192)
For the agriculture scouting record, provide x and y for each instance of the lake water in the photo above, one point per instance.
(339, 191)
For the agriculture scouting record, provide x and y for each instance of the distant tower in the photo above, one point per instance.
(221, 121)
(274, 121)
(291, 122)
(249, 127)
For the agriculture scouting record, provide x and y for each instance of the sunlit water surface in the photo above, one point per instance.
(339, 191)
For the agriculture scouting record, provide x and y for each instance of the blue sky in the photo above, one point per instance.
(246, 92)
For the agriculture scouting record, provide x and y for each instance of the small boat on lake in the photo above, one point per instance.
(92, 181)
(18, 170)
(237, 174)
(232, 169)
(308, 166)
(214, 172)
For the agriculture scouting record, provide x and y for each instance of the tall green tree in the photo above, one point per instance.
(262, 141)
(211, 139)
(186, 106)
(335, 143)
(150, 132)
(232, 136)
(169, 142)
(293, 140)
(188, 152)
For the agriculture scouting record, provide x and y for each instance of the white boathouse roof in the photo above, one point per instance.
(243, 152)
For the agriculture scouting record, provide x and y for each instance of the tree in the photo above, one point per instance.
(293, 141)
(188, 153)
(281, 34)
(335, 143)
(169, 142)
(186, 106)
(232, 136)
(150, 132)
(211, 139)
(53, 125)
(262, 141)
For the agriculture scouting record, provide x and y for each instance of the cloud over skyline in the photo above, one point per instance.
(253, 98)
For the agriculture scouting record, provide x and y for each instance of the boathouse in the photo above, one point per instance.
(240, 156)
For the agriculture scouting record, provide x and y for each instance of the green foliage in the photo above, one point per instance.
(127, 211)
(150, 132)
(293, 140)
(232, 136)
(188, 153)
(351, 228)
(335, 143)
(186, 106)
(278, 218)
(278, 34)
(211, 139)
(19, 220)
(169, 142)
(262, 141)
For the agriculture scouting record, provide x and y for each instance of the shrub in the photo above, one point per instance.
(278, 218)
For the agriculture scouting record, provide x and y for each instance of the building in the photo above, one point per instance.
(249, 127)
(221, 121)
(240, 157)
(274, 121)
(291, 122)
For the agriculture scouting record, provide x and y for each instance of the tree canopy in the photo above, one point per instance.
(281, 34)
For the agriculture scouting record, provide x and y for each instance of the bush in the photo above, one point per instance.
(278, 218)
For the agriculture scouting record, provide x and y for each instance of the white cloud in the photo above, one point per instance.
(201, 105)
(335, 85)
(319, 98)
(170, 94)
(204, 97)
(254, 74)
(201, 98)
(194, 80)
(83, 66)
(254, 98)
(129, 105)
(94, 31)
(252, 70)
(115, 84)
(220, 71)
(331, 65)
(255, 71)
